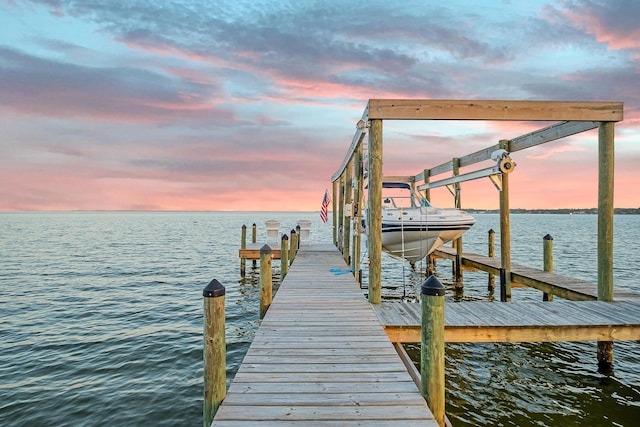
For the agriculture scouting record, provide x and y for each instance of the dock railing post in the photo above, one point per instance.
(266, 282)
(432, 347)
(284, 257)
(293, 249)
(547, 261)
(243, 245)
(491, 253)
(299, 236)
(214, 357)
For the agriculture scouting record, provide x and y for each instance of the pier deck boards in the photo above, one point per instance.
(320, 357)
(562, 286)
(522, 321)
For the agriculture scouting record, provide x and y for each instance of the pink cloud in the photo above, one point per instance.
(607, 23)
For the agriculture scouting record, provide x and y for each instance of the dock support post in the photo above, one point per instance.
(375, 211)
(505, 234)
(432, 382)
(243, 245)
(491, 285)
(293, 247)
(214, 357)
(284, 257)
(334, 209)
(254, 238)
(547, 261)
(299, 235)
(427, 177)
(266, 282)
(346, 245)
(605, 232)
(458, 242)
(357, 200)
(341, 216)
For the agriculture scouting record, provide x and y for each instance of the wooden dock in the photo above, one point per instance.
(521, 321)
(566, 287)
(320, 357)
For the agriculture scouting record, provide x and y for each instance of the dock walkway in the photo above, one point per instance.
(562, 286)
(320, 357)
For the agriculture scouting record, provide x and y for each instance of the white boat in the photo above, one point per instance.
(412, 228)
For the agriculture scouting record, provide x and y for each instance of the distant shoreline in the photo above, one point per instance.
(589, 211)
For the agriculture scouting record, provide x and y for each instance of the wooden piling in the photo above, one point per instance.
(346, 228)
(547, 261)
(254, 237)
(375, 211)
(293, 246)
(427, 178)
(491, 253)
(243, 245)
(299, 235)
(334, 209)
(458, 280)
(266, 282)
(432, 347)
(505, 234)
(605, 232)
(341, 215)
(284, 257)
(214, 357)
(357, 201)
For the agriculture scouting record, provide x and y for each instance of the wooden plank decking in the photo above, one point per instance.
(320, 357)
(522, 321)
(562, 286)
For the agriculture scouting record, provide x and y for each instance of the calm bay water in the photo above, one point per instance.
(101, 320)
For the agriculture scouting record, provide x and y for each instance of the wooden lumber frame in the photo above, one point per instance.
(439, 109)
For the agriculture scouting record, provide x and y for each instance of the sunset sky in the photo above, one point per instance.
(252, 105)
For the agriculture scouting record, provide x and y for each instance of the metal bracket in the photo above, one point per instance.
(497, 181)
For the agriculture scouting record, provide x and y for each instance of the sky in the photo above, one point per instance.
(251, 105)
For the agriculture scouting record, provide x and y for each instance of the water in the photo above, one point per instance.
(101, 320)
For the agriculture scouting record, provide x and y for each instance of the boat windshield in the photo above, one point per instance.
(401, 196)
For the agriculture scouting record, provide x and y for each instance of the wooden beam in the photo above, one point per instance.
(531, 139)
(411, 334)
(438, 109)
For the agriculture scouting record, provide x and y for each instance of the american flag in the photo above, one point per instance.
(325, 202)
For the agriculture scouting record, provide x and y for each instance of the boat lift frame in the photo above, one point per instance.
(570, 118)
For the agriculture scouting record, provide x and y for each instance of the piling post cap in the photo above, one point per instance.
(293, 231)
(547, 237)
(285, 237)
(266, 249)
(213, 289)
(254, 224)
(244, 226)
(491, 231)
(432, 287)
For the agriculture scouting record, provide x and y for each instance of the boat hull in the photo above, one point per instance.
(415, 233)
